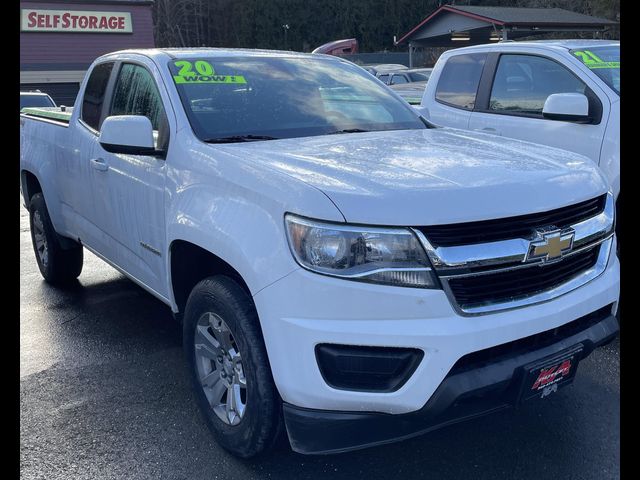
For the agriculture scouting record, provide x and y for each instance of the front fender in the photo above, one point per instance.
(235, 209)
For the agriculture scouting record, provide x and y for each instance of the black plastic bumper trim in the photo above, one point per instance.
(459, 397)
(365, 368)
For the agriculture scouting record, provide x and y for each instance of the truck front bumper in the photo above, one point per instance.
(304, 310)
(474, 388)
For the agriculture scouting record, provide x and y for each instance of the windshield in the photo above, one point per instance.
(35, 101)
(284, 97)
(604, 62)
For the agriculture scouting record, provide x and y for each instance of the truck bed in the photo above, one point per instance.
(50, 113)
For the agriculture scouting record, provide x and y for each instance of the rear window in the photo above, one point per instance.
(458, 82)
(94, 94)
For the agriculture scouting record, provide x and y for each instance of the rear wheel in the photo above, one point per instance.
(230, 370)
(57, 265)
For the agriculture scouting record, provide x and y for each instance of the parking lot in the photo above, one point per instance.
(104, 394)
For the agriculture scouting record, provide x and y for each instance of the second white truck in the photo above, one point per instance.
(343, 271)
(560, 93)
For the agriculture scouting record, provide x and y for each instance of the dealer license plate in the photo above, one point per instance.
(546, 376)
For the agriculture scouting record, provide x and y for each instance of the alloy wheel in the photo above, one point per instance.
(40, 239)
(220, 369)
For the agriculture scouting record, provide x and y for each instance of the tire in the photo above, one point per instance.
(57, 265)
(220, 317)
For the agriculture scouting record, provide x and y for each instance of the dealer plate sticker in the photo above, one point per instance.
(546, 377)
(202, 71)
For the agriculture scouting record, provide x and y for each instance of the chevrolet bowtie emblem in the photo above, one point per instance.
(550, 244)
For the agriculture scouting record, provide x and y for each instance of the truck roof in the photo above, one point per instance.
(190, 52)
(35, 94)
(551, 44)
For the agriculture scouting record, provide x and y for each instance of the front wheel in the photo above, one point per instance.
(57, 265)
(230, 369)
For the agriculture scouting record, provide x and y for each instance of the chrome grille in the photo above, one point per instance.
(514, 284)
(495, 275)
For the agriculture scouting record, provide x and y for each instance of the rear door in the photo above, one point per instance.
(512, 105)
(456, 87)
(129, 189)
(73, 168)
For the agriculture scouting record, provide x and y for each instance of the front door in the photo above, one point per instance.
(129, 189)
(520, 88)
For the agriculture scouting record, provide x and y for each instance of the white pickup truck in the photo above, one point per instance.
(342, 269)
(561, 93)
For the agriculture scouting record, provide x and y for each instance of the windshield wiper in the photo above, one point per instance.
(348, 130)
(240, 138)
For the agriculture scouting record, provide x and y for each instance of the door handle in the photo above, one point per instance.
(99, 164)
(488, 130)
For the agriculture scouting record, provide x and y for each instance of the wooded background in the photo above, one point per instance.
(302, 25)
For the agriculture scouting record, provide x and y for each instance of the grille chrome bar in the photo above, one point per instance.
(541, 296)
(520, 266)
(587, 232)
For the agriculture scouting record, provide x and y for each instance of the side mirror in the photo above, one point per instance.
(130, 134)
(570, 107)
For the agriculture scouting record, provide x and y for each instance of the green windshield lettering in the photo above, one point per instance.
(204, 68)
(209, 79)
(185, 68)
(204, 73)
(605, 65)
(591, 60)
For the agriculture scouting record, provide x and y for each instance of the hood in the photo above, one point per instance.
(429, 177)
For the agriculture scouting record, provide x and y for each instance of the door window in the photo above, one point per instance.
(523, 82)
(94, 95)
(458, 82)
(136, 93)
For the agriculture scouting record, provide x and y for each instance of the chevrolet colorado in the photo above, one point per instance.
(342, 269)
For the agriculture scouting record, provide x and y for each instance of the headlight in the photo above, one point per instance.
(391, 256)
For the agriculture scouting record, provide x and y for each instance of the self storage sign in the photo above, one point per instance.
(75, 21)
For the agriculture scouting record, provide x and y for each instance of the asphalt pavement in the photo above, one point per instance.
(104, 394)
